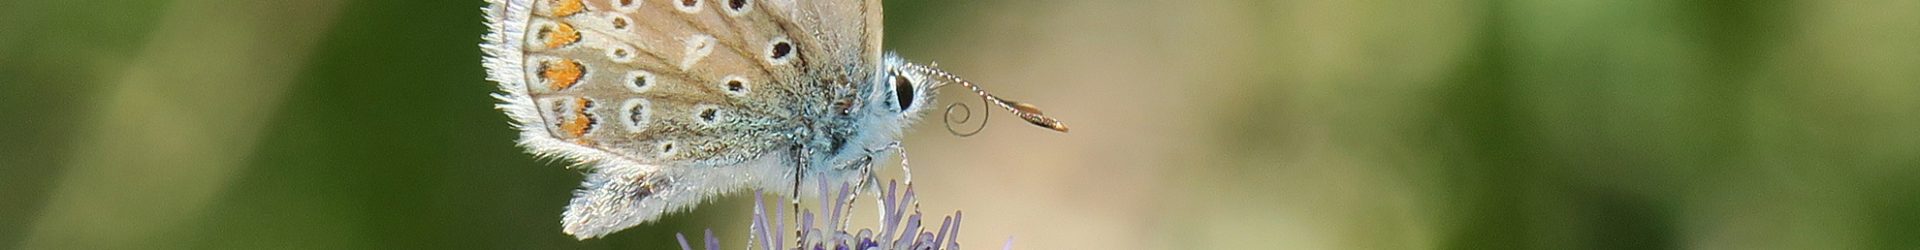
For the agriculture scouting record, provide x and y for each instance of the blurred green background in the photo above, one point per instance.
(1306, 124)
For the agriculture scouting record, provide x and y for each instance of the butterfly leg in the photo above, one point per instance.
(867, 178)
(867, 167)
(799, 170)
(866, 173)
(906, 172)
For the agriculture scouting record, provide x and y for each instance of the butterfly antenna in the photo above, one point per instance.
(1025, 111)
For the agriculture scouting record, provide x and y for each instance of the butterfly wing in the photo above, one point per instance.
(667, 102)
(851, 27)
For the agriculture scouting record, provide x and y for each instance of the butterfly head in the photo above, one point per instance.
(900, 93)
(888, 102)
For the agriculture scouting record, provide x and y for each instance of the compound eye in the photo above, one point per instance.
(903, 89)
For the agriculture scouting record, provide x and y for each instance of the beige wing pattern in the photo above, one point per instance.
(656, 96)
(850, 29)
(660, 83)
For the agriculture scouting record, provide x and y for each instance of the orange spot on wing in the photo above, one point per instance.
(577, 121)
(568, 7)
(562, 35)
(562, 74)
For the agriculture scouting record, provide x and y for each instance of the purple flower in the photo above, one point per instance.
(898, 229)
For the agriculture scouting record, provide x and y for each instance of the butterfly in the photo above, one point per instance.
(670, 103)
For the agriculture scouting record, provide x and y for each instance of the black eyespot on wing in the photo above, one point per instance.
(781, 49)
(639, 81)
(903, 89)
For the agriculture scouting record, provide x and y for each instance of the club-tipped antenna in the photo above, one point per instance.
(1028, 112)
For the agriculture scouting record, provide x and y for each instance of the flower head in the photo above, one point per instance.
(898, 230)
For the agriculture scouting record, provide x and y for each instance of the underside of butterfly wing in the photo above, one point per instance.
(671, 102)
